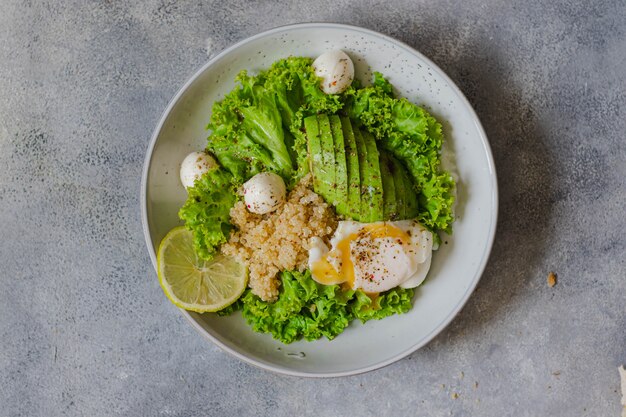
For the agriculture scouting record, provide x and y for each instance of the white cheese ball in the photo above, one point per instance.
(194, 166)
(264, 193)
(336, 70)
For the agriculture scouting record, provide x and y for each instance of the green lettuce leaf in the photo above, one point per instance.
(247, 127)
(207, 211)
(394, 301)
(306, 309)
(258, 125)
(412, 135)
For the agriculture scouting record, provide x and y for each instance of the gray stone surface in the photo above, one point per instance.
(84, 327)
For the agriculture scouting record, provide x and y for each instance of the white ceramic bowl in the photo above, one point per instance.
(457, 265)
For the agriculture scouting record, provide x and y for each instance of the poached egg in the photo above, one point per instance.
(374, 257)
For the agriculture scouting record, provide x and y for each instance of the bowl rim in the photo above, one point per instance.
(486, 148)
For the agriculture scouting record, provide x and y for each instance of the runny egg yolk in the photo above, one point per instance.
(326, 273)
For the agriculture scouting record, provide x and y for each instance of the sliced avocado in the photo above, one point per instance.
(389, 191)
(375, 192)
(327, 169)
(405, 192)
(371, 183)
(411, 195)
(362, 160)
(341, 169)
(398, 182)
(315, 150)
(353, 207)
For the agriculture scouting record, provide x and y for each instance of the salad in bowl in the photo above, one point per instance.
(318, 200)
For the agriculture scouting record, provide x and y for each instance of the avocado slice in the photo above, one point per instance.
(398, 182)
(327, 169)
(363, 175)
(375, 192)
(314, 147)
(371, 182)
(341, 169)
(406, 198)
(389, 191)
(411, 194)
(353, 208)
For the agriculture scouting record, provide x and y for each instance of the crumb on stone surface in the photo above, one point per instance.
(551, 279)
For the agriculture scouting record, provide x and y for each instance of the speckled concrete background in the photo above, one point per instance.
(84, 327)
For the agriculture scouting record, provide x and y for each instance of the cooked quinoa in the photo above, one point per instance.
(280, 240)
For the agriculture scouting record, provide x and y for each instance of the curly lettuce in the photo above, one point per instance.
(306, 309)
(207, 211)
(395, 301)
(412, 135)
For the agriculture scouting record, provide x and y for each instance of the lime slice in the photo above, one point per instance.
(193, 283)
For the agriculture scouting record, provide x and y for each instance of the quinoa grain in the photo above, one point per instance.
(280, 240)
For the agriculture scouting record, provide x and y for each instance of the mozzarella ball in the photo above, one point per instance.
(336, 70)
(194, 166)
(264, 193)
